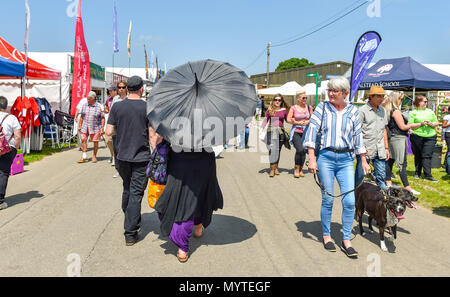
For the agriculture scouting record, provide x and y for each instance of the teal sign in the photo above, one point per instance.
(97, 72)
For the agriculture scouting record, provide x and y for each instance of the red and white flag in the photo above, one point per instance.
(81, 81)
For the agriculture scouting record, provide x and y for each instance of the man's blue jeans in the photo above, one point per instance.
(339, 165)
(379, 166)
(244, 138)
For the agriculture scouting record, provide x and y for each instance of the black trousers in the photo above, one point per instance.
(423, 148)
(134, 184)
(300, 155)
(5, 170)
(447, 140)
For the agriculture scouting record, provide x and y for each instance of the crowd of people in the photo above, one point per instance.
(333, 135)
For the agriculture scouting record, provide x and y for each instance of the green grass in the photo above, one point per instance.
(47, 150)
(434, 196)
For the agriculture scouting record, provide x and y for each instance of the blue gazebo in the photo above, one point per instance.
(11, 69)
(404, 74)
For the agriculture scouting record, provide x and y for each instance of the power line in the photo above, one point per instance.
(341, 11)
(322, 27)
(256, 59)
(284, 42)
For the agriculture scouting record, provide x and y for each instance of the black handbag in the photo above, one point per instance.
(286, 139)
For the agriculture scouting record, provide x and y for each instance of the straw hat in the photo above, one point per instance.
(377, 90)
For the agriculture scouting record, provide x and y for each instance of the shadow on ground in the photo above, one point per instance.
(22, 198)
(223, 230)
(442, 211)
(313, 231)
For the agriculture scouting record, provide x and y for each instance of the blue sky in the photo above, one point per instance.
(235, 31)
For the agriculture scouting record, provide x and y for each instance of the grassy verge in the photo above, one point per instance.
(47, 150)
(434, 196)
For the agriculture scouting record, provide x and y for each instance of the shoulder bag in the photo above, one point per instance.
(4, 144)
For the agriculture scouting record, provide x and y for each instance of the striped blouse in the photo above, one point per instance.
(340, 130)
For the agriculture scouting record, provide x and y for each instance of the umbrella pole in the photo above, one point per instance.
(414, 95)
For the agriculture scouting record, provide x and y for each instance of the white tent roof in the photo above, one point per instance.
(288, 89)
(311, 88)
(129, 72)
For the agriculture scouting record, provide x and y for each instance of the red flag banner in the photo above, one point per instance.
(81, 81)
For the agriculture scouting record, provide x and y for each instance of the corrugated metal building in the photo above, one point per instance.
(299, 74)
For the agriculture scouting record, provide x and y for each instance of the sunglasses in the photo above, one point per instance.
(277, 100)
(333, 91)
(302, 97)
(121, 87)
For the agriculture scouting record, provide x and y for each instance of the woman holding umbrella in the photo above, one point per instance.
(206, 91)
(191, 195)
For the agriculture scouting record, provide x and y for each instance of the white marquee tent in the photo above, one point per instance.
(288, 89)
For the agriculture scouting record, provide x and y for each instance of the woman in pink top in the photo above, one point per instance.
(275, 116)
(298, 116)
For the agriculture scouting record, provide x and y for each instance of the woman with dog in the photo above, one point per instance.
(423, 138)
(298, 116)
(398, 139)
(341, 138)
(275, 116)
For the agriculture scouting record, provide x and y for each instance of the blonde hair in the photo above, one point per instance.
(301, 91)
(394, 100)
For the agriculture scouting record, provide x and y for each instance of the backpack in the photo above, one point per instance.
(157, 167)
(4, 144)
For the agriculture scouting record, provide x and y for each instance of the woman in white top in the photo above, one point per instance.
(11, 130)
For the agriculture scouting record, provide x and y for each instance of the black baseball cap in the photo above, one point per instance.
(134, 83)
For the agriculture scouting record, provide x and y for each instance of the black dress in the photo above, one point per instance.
(192, 190)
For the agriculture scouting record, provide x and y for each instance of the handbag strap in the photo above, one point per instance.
(1, 124)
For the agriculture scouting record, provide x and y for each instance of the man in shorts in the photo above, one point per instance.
(92, 124)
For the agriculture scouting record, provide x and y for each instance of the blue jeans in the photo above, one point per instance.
(244, 138)
(339, 165)
(379, 166)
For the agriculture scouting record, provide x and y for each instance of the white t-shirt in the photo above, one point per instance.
(116, 99)
(10, 124)
(447, 117)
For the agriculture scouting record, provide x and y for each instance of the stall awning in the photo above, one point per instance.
(404, 73)
(10, 68)
(35, 70)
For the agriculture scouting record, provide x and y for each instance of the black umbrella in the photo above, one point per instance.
(201, 104)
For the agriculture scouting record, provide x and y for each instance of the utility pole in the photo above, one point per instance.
(268, 64)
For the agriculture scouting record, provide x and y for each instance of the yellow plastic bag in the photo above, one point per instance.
(154, 192)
